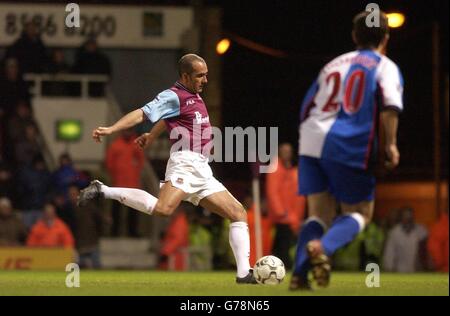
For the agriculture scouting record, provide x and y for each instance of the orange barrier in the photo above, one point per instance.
(421, 196)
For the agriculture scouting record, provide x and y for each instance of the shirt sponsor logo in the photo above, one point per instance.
(199, 119)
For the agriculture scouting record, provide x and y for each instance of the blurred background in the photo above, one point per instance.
(57, 83)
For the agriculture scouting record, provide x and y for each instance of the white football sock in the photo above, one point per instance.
(240, 243)
(135, 198)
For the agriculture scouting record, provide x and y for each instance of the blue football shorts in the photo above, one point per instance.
(348, 185)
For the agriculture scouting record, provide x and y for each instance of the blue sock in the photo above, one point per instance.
(343, 230)
(311, 229)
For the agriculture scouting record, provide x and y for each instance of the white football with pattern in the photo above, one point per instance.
(269, 270)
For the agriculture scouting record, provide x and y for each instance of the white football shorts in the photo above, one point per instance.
(190, 172)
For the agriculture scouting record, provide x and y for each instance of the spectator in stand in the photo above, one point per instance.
(67, 175)
(200, 238)
(12, 230)
(12, 87)
(63, 210)
(12, 91)
(286, 207)
(29, 147)
(2, 141)
(438, 243)
(90, 60)
(175, 240)
(19, 121)
(29, 50)
(405, 244)
(33, 187)
(392, 218)
(88, 230)
(58, 64)
(124, 161)
(50, 231)
(7, 183)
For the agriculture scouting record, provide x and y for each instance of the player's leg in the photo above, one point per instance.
(225, 205)
(170, 197)
(364, 208)
(321, 211)
(321, 207)
(354, 188)
(345, 228)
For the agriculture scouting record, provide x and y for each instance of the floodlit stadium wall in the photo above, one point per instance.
(91, 113)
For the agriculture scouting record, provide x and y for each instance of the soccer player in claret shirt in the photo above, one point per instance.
(338, 146)
(189, 177)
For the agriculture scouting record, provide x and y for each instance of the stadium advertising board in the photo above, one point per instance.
(22, 258)
(114, 26)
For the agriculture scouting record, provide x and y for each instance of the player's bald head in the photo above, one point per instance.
(185, 64)
(366, 36)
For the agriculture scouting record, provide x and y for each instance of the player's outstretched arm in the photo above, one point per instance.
(147, 139)
(389, 119)
(131, 119)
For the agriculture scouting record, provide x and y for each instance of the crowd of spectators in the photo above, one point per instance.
(37, 205)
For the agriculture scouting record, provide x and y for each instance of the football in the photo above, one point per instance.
(269, 270)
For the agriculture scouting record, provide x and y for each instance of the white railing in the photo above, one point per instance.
(83, 79)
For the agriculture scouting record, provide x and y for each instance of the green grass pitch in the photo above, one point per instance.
(156, 283)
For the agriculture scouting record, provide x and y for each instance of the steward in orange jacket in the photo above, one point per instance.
(286, 207)
(176, 238)
(124, 161)
(50, 231)
(438, 243)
